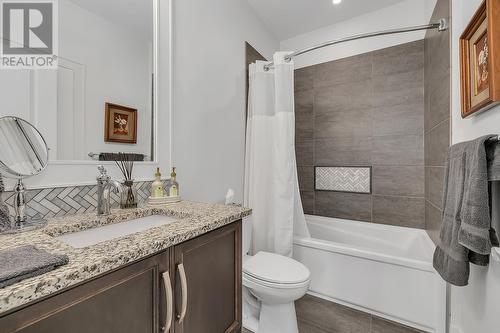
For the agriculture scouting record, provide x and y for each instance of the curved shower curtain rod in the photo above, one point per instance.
(442, 25)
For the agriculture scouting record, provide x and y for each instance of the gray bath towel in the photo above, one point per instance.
(23, 262)
(493, 155)
(5, 222)
(466, 234)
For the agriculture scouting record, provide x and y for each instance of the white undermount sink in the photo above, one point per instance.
(98, 235)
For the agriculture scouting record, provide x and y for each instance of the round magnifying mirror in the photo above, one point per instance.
(23, 152)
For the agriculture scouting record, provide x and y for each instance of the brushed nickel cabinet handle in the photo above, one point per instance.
(182, 275)
(170, 301)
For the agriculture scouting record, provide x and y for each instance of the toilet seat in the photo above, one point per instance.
(276, 271)
(250, 281)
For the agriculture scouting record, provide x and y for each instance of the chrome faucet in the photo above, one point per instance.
(104, 186)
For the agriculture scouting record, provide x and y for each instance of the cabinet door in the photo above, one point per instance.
(129, 300)
(208, 282)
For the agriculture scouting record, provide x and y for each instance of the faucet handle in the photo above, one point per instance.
(103, 173)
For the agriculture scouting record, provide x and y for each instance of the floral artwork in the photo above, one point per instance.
(479, 61)
(120, 124)
(482, 73)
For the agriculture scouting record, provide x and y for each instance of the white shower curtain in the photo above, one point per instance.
(271, 182)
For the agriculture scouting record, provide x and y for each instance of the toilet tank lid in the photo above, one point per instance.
(276, 268)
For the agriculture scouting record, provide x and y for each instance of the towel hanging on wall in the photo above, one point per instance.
(466, 234)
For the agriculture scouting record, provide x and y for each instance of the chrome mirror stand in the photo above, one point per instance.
(21, 221)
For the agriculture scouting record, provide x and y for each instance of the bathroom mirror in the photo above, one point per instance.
(101, 98)
(24, 152)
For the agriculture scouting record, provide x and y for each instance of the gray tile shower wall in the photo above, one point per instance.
(436, 117)
(61, 201)
(366, 110)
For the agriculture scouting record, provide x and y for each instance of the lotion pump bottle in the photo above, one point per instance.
(157, 186)
(172, 185)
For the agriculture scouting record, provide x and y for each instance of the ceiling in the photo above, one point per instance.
(289, 18)
(133, 15)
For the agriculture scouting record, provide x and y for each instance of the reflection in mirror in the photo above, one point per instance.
(106, 57)
(23, 152)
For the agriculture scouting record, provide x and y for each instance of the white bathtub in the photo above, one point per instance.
(380, 269)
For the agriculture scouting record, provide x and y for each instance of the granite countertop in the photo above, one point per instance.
(194, 219)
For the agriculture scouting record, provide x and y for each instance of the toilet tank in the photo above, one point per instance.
(246, 230)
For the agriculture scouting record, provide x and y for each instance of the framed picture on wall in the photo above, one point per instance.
(480, 60)
(120, 124)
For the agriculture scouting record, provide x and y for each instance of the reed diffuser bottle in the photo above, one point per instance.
(129, 194)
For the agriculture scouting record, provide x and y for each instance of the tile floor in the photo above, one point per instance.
(316, 315)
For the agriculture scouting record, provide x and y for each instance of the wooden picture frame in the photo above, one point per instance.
(120, 124)
(480, 60)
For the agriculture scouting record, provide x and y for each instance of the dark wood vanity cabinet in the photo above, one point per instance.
(195, 285)
(208, 282)
(126, 300)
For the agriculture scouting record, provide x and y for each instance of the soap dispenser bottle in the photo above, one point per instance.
(172, 187)
(157, 186)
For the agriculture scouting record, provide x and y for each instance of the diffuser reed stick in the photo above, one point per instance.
(125, 163)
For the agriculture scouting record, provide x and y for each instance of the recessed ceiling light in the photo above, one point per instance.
(336, 2)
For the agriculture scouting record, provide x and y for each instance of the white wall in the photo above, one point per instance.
(475, 308)
(209, 93)
(406, 13)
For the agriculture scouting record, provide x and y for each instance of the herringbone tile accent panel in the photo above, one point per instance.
(61, 201)
(343, 179)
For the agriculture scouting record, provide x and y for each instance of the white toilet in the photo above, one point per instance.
(271, 284)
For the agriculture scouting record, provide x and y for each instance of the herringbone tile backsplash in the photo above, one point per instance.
(343, 179)
(61, 201)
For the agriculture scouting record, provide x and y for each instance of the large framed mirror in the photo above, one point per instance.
(102, 98)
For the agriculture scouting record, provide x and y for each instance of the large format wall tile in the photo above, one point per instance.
(330, 152)
(434, 183)
(433, 219)
(304, 152)
(355, 123)
(356, 68)
(304, 129)
(438, 97)
(401, 211)
(437, 115)
(398, 150)
(400, 119)
(343, 205)
(406, 81)
(307, 198)
(304, 79)
(306, 178)
(368, 110)
(399, 180)
(343, 151)
(399, 59)
(437, 142)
